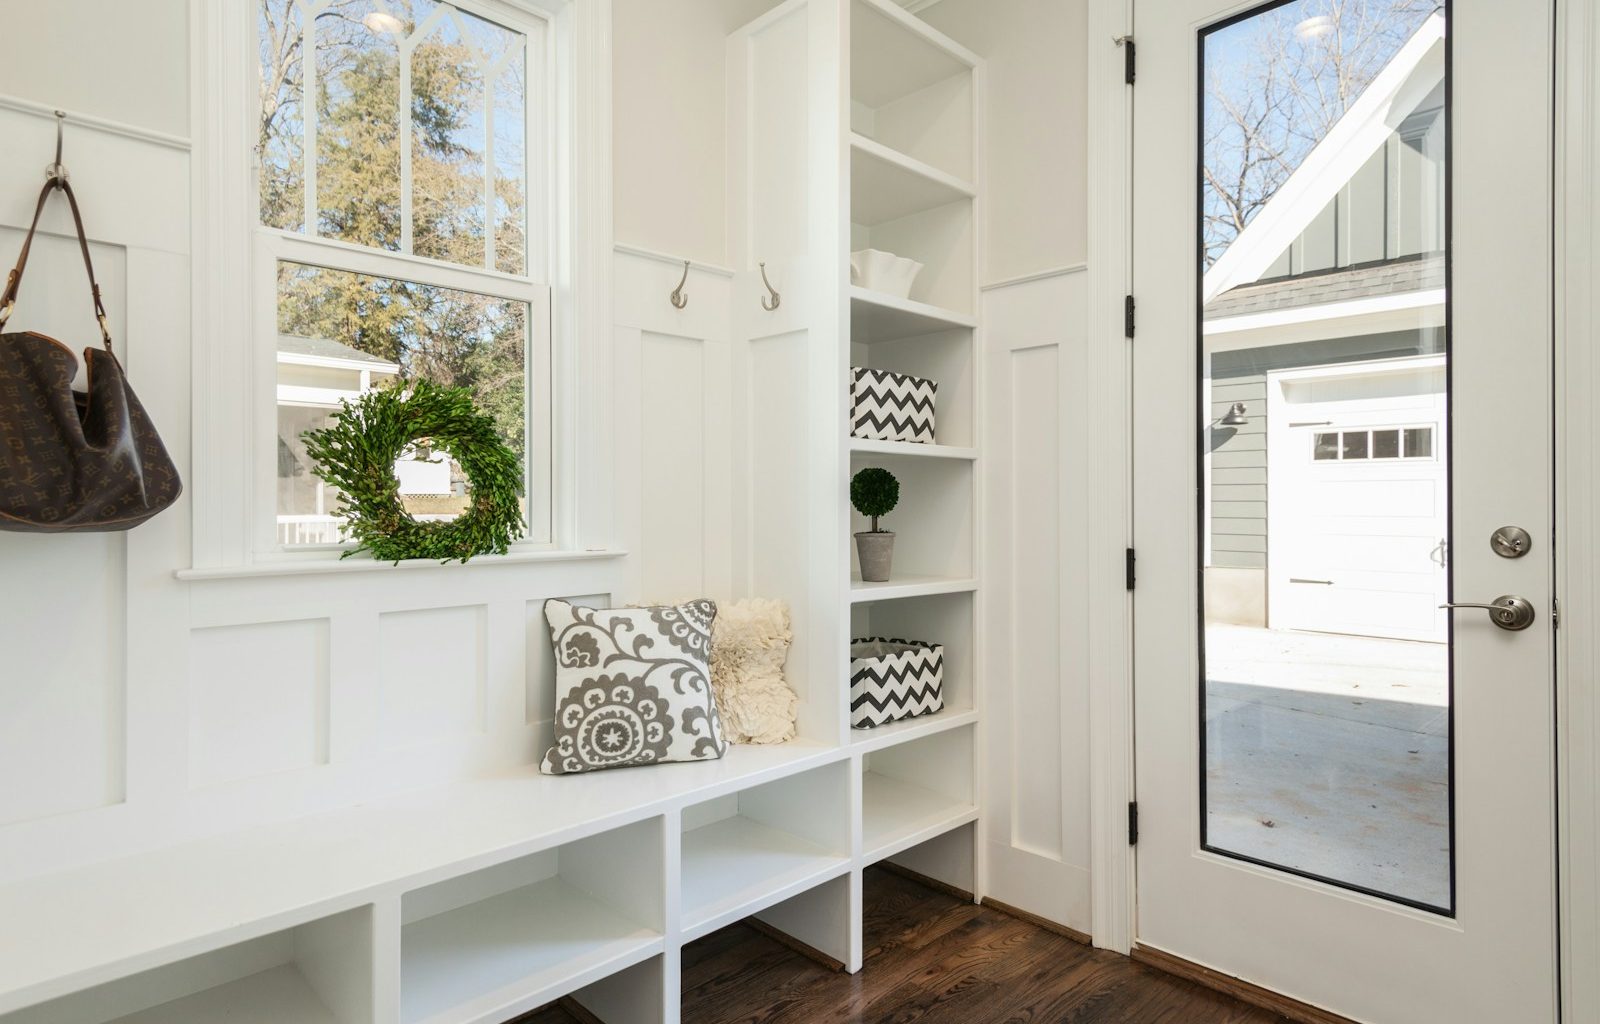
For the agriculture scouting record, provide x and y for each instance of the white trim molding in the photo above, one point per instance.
(1031, 277)
(677, 261)
(1111, 780)
(1372, 315)
(1577, 220)
(99, 124)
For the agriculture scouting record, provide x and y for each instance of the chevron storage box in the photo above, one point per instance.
(894, 679)
(887, 406)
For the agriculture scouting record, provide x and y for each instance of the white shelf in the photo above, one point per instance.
(908, 729)
(735, 867)
(513, 952)
(896, 815)
(894, 54)
(866, 446)
(906, 585)
(875, 317)
(278, 996)
(886, 184)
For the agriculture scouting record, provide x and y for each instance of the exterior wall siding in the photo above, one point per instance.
(1238, 486)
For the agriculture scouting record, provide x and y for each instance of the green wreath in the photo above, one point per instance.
(356, 453)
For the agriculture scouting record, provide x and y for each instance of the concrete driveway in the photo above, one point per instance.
(1330, 754)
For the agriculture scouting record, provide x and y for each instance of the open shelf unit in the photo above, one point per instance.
(875, 317)
(887, 185)
(911, 89)
(320, 972)
(744, 852)
(915, 791)
(492, 944)
(915, 190)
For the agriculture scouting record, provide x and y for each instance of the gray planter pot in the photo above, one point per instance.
(876, 551)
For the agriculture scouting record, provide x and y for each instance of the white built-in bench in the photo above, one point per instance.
(483, 900)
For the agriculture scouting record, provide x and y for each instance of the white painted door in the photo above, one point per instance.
(1359, 500)
(1363, 823)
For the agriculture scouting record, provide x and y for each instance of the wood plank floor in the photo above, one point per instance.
(933, 959)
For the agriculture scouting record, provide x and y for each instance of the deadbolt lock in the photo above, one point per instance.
(1511, 542)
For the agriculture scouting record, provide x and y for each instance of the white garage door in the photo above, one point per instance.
(1357, 498)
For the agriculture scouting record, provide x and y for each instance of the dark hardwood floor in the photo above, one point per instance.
(933, 959)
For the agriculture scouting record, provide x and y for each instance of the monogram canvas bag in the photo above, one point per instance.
(71, 461)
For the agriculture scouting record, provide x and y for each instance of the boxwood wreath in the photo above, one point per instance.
(356, 453)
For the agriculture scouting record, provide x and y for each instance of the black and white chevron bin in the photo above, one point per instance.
(887, 406)
(894, 679)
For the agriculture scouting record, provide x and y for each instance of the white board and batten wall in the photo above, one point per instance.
(143, 710)
(1044, 518)
(206, 706)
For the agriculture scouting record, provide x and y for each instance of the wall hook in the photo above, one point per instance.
(56, 172)
(776, 300)
(678, 298)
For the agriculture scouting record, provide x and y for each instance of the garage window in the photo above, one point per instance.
(1380, 444)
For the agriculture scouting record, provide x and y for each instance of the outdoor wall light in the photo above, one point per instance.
(1315, 26)
(1236, 416)
(384, 23)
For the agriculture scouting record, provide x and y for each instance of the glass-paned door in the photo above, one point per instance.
(1342, 391)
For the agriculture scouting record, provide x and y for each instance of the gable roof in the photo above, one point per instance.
(326, 349)
(1409, 77)
(1346, 284)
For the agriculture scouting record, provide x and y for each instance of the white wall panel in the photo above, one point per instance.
(1034, 122)
(1033, 528)
(258, 700)
(1037, 689)
(669, 130)
(432, 666)
(109, 58)
(673, 412)
(672, 466)
(61, 674)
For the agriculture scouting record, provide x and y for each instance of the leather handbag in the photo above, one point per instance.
(72, 461)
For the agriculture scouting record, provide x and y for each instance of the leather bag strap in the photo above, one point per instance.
(14, 280)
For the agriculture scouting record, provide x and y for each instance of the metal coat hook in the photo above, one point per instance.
(776, 300)
(678, 298)
(57, 172)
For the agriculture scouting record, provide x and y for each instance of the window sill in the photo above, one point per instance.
(316, 567)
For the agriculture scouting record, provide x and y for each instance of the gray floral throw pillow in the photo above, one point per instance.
(633, 686)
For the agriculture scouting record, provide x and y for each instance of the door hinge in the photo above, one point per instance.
(1132, 576)
(1128, 59)
(1133, 823)
(1127, 316)
(1555, 613)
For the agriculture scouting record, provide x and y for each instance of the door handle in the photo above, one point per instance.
(1440, 555)
(1508, 611)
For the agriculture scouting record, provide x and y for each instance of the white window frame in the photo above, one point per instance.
(1433, 445)
(233, 481)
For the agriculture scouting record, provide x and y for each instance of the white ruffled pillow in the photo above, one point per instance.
(749, 645)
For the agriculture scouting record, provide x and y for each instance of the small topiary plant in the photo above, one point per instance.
(874, 492)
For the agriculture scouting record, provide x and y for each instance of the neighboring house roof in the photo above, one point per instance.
(1418, 274)
(329, 352)
(1408, 79)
